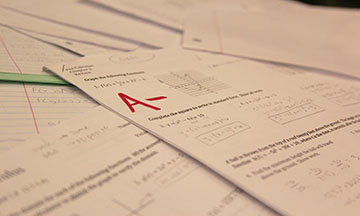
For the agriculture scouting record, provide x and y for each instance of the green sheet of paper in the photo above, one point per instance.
(32, 78)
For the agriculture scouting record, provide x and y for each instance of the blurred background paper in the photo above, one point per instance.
(88, 18)
(163, 12)
(172, 13)
(21, 54)
(319, 38)
(55, 30)
(76, 47)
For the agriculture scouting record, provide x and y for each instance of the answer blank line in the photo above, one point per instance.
(131, 211)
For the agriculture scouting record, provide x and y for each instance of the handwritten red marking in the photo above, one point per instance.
(156, 98)
(127, 98)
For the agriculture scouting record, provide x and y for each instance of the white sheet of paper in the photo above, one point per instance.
(164, 12)
(80, 48)
(99, 164)
(290, 143)
(172, 13)
(28, 23)
(87, 17)
(22, 54)
(319, 38)
(29, 108)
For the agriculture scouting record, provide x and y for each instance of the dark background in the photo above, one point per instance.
(336, 3)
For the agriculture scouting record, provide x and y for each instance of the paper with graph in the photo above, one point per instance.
(282, 141)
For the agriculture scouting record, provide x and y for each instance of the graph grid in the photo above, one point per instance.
(192, 83)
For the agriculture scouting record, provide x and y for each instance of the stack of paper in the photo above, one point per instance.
(264, 122)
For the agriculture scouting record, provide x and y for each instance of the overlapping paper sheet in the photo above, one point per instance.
(172, 14)
(45, 28)
(79, 48)
(19, 52)
(290, 139)
(88, 18)
(167, 13)
(29, 108)
(293, 34)
(99, 164)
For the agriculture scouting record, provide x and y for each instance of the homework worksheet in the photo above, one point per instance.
(289, 142)
(99, 164)
(325, 39)
(29, 108)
